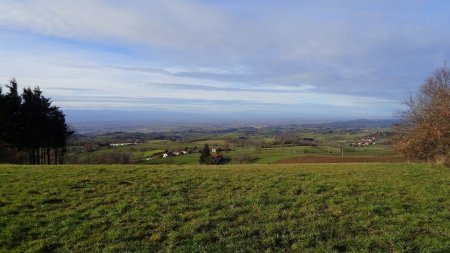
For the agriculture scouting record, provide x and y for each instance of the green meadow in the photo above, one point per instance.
(354, 207)
(140, 152)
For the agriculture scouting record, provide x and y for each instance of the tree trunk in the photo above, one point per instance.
(38, 156)
(48, 155)
(61, 159)
(56, 155)
(33, 158)
(30, 156)
(42, 155)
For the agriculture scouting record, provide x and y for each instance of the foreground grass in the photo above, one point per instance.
(316, 208)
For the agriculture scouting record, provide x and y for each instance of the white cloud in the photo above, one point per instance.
(296, 53)
(57, 76)
(166, 23)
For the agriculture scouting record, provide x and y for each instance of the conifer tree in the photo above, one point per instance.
(30, 123)
(205, 154)
(12, 102)
(2, 116)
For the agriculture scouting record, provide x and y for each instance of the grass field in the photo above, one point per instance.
(237, 208)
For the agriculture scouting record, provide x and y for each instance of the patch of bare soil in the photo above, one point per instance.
(345, 159)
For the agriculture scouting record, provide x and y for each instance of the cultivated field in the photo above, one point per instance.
(346, 159)
(245, 145)
(356, 207)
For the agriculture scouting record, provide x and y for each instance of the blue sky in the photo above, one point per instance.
(301, 59)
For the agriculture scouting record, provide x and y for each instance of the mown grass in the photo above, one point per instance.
(238, 208)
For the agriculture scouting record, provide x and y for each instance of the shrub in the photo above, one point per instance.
(424, 131)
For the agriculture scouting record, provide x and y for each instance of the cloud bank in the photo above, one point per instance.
(344, 57)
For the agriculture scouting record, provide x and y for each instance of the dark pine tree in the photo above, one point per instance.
(2, 117)
(45, 128)
(11, 109)
(30, 124)
(57, 132)
(33, 119)
(205, 154)
(2, 124)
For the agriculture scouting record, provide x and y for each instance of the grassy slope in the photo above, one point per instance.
(317, 208)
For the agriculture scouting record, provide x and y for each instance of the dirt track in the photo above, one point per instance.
(345, 159)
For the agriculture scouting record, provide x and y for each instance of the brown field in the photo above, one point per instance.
(345, 159)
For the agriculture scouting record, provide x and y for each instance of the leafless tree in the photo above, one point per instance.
(424, 131)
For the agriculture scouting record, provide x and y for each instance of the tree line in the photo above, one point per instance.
(31, 125)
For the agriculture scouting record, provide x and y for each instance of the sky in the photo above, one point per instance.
(311, 60)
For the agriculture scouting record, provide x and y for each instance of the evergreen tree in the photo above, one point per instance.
(3, 124)
(205, 154)
(2, 116)
(32, 116)
(57, 133)
(31, 124)
(12, 101)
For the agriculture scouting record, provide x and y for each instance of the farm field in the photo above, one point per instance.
(347, 159)
(259, 146)
(140, 151)
(359, 207)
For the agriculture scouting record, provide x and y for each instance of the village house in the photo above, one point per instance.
(187, 151)
(122, 144)
(364, 142)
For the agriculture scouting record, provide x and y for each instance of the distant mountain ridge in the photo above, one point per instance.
(358, 123)
(136, 122)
